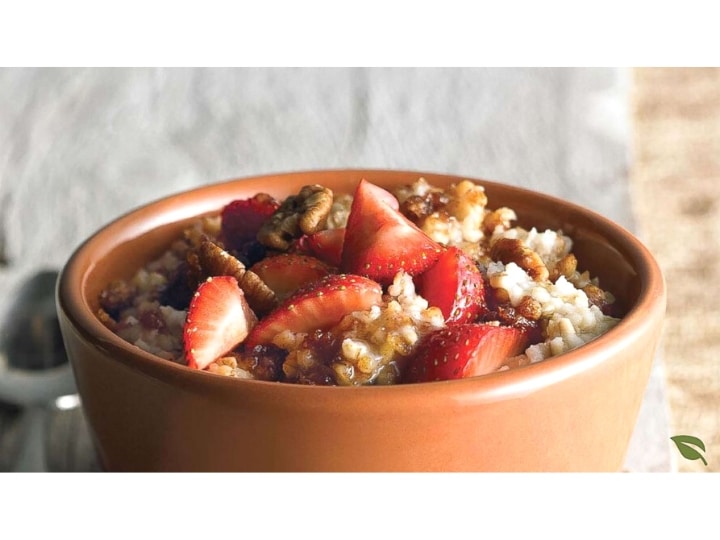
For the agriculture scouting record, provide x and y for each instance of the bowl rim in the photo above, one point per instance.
(641, 318)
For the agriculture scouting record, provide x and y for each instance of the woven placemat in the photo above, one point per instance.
(675, 182)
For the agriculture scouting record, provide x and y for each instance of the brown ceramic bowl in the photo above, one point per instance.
(574, 412)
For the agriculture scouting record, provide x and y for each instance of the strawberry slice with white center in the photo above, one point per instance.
(218, 319)
(464, 350)
(287, 272)
(318, 306)
(455, 285)
(380, 241)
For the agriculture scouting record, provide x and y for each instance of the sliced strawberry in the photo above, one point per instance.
(218, 319)
(327, 245)
(300, 245)
(464, 350)
(455, 285)
(287, 272)
(318, 306)
(379, 240)
(242, 218)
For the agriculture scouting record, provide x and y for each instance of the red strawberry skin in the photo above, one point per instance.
(242, 218)
(218, 319)
(318, 306)
(380, 241)
(327, 245)
(455, 285)
(464, 350)
(287, 272)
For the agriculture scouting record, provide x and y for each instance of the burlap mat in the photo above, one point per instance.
(675, 182)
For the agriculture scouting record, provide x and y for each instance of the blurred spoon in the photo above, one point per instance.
(34, 369)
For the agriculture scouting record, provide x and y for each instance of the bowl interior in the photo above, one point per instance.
(118, 250)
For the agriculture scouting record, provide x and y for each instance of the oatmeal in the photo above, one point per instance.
(372, 287)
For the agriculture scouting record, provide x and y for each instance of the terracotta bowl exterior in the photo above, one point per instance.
(575, 412)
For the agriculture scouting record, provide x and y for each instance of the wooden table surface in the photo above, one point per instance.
(78, 147)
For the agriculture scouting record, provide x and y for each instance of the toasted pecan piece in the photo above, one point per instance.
(598, 297)
(499, 219)
(567, 266)
(529, 308)
(209, 259)
(507, 250)
(418, 207)
(206, 227)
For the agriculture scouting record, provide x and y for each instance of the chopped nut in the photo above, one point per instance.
(500, 218)
(501, 296)
(566, 266)
(507, 250)
(511, 316)
(223, 366)
(215, 261)
(205, 227)
(529, 308)
(209, 259)
(260, 297)
(466, 198)
(418, 207)
(596, 296)
(304, 213)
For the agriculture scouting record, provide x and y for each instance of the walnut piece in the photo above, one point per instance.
(507, 250)
(596, 296)
(498, 220)
(529, 308)
(418, 207)
(304, 213)
(564, 267)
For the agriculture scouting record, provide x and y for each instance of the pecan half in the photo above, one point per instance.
(209, 259)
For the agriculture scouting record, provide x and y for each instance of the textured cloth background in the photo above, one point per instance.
(675, 183)
(78, 147)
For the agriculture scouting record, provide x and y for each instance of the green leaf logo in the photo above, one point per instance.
(686, 444)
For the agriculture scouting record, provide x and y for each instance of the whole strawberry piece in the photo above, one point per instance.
(241, 219)
(380, 241)
(218, 319)
(287, 272)
(455, 285)
(318, 306)
(464, 350)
